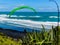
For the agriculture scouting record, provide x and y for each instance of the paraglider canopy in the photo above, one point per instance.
(21, 7)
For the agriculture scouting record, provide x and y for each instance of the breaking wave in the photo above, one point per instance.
(4, 15)
(53, 17)
(25, 23)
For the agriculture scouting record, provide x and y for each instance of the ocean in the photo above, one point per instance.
(29, 20)
(39, 16)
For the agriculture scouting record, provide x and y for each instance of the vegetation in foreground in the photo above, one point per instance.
(4, 40)
(32, 38)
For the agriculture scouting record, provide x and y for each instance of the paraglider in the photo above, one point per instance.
(21, 7)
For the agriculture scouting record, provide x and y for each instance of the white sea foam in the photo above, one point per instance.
(34, 16)
(53, 17)
(26, 16)
(13, 16)
(22, 16)
(17, 16)
(26, 23)
(4, 15)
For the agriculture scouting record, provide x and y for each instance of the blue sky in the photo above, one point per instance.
(39, 5)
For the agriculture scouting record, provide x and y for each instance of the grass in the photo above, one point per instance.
(32, 38)
(4, 40)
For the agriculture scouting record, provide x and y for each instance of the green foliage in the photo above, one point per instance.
(4, 40)
(31, 38)
(38, 38)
